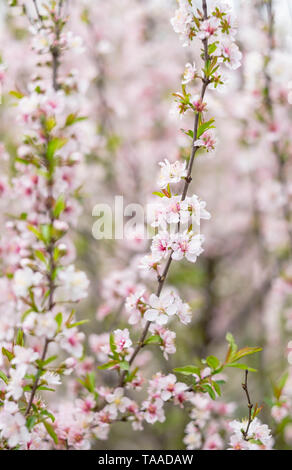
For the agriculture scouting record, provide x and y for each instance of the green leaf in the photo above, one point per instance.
(50, 431)
(40, 255)
(283, 380)
(35, 231)
(217, 388)
(59, 206)
(46, 233)
(8, 354)
(246, 352)
(19, 337)
(59, 321)
(112, 345)
(53, 146)
(132, 375)
(47, 389)
(207, 388)
(72, 118)
(188, 370)
(3, 377)
(124, 365)
(108, 365)
(213, 362)
(30, 422)
(91, 381)
(16, 94)
(212, 48)
(241, 366)
(155, 339)
(204, 127)
(50, 124)
(77, 323)
(48, 414)
(189, 133)
(49, 360)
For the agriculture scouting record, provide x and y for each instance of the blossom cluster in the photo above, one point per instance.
(107, 376)
(41, 282)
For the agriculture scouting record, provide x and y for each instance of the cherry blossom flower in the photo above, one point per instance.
(118, 401)
(161, 308)
(171, 172)
(189, 73)
(15, 385)
(193, 438)
(207, 141)
(13, 428)
(257, 432)
(187, 245)
(122, 340)
(24, 355)
(24, 279)
(71, 341)
(153, 411)
(161, 245)
(74, 284)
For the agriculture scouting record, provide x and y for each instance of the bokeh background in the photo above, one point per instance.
(131, 65)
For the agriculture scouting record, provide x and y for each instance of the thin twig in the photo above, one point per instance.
(250, 406)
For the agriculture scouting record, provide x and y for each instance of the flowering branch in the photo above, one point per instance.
(162, 278)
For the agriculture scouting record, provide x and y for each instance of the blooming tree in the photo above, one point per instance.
(79, 132)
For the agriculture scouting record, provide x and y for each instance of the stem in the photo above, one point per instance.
(162, 278)
(37, 10)
(52, 288)
(250, 406)
(51, 247)
(37, 378)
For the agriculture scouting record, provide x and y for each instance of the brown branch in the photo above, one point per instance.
(250, 407)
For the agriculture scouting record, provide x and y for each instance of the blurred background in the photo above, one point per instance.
(131, 65)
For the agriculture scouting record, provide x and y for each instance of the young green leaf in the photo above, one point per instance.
(188, 370)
